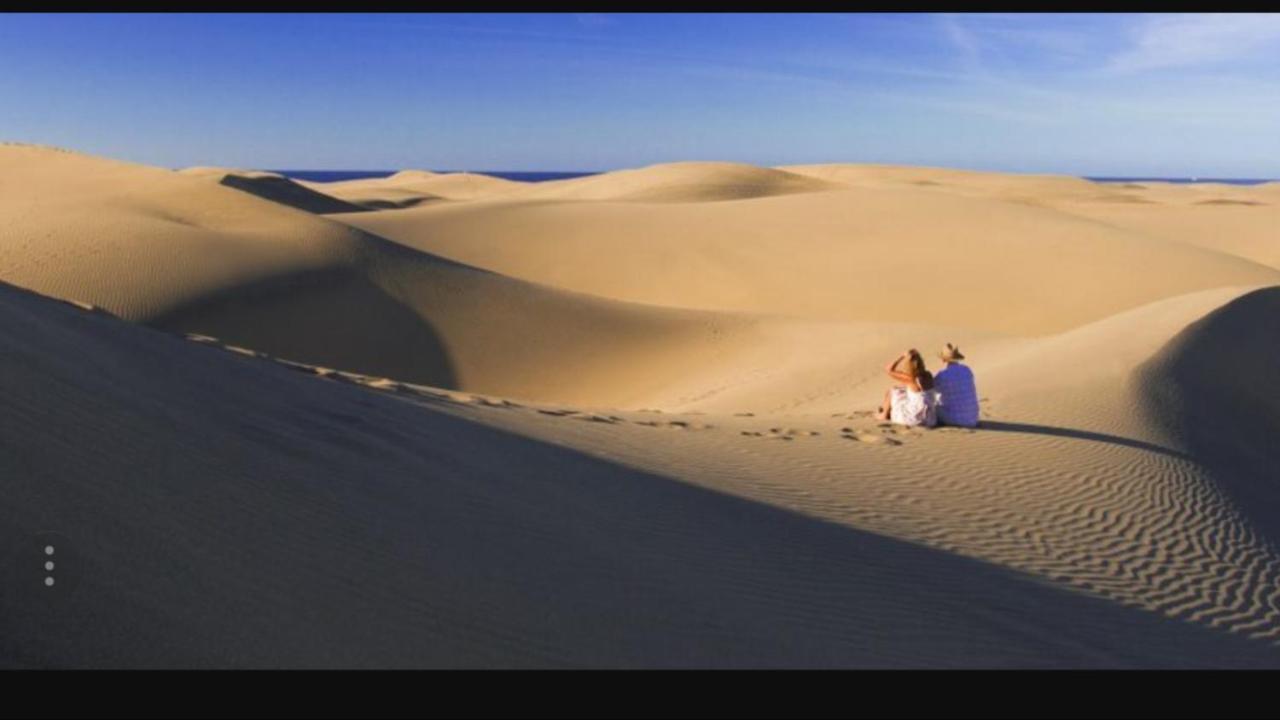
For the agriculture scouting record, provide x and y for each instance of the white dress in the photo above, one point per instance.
(911, 407)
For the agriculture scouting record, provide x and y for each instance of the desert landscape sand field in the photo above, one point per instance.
(626, 420)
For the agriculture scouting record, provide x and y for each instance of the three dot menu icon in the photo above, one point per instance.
(46, 568)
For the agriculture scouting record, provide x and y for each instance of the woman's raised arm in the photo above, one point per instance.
(892, 369)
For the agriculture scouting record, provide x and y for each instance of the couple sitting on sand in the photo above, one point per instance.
(950, 398)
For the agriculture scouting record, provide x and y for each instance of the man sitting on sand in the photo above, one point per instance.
(957, 394)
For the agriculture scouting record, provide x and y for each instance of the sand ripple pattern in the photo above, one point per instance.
(1138, 524)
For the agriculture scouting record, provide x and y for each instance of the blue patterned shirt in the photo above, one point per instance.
(957, 395)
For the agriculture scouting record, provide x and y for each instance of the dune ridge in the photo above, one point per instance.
(408, 188)
(277, 188)
(679, 182)
(1221, 366)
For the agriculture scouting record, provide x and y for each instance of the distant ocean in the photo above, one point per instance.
(338, 175)
(1183, 180)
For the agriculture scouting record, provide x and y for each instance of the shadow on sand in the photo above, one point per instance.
(1091, 436)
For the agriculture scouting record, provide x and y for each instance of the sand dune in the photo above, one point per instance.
(669, 182)
(625, 421)
(1242, 224)
(1036, 190)
(871, 253)
(876, 175)
(1028, 188)
(1222, 366)
(184, 254)
(1067, 480)
(277, 188)
(412, 187)
(680, 182)
(1179, 213)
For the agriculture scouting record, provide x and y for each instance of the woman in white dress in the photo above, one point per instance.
(913, 401)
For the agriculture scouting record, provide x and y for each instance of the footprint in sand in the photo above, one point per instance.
(792, 432)
(609, 419)
(318, 371)
(871, 438)
(437, 394)
(322, 372)
(900, 430)
(757, 433)
(463, 398)
(87, 307)
(386, 384)
(780, 433)
(675, 424)
(248, 352)
(502, 403)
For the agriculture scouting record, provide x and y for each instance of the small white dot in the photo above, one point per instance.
(48, 549)
(48, 582)
(48, 565)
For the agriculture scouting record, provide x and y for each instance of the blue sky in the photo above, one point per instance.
(1168, 95)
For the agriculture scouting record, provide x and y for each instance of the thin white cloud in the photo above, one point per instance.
(964, 41)
(988, 43)
(1170, 41)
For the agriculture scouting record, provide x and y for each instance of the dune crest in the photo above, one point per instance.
(276, 188)
(1212, 389)
(679, 182)
(408, 188)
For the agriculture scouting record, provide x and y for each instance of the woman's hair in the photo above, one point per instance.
(916, 369)
(914, 364)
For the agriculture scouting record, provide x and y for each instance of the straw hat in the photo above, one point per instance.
(951, 353)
